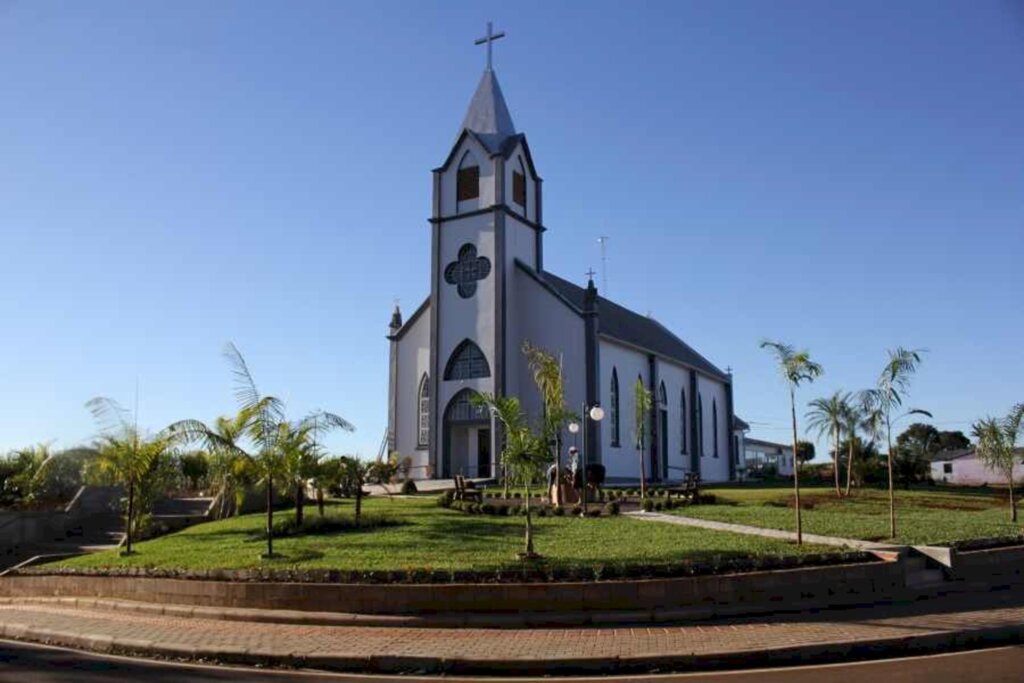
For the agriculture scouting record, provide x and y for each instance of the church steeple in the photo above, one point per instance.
(488, 115)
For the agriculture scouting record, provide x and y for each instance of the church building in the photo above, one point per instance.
(490, 293)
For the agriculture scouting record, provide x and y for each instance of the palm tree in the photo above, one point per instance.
(851, 422)
(997, 439)
(522, 453)
(796, 367)
(827, 416)
(642, 401)
(887, 396)
(125, 455)
(547, 375)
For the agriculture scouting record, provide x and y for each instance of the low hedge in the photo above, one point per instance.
(524, 572)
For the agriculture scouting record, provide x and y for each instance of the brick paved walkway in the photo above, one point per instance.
(758, 531)
(934, 624)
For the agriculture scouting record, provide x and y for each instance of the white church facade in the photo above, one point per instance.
(490, 293)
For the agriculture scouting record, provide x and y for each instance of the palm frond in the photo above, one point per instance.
(109, 414)
(245, 387)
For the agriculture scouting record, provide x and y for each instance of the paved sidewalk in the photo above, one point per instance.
(932, 625)
(760, 531)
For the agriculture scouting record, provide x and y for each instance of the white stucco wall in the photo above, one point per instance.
(513, 164)
(545, 321)
(449, 205)
(714, 468)
(970, 471)
(413, 361)
(621, 461)
(677, 380)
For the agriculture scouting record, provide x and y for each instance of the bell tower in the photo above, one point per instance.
(486, 214)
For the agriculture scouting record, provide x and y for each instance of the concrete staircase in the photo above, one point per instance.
(922, 573)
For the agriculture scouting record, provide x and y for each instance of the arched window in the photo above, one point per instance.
(423, 413)
(700, 424)
(614, 408)
(519, 185)
(682, 420)
(662, 397)
(467, 362)
(467, 179)
(714, 426)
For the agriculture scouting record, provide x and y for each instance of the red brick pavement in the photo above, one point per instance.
(899, 628)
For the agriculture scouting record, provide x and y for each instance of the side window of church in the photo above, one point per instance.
(614, 404)
(423, 439)
(467, 183)
(519, 188)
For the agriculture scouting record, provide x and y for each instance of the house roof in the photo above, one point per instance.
(960, 453)
(618, 322)
(487, 115)
(779, 447)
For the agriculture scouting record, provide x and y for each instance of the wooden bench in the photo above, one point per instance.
(690, 488)
(464, 490)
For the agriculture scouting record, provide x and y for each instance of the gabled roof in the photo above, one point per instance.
(618, 322)
(737, 423)
(957, 454)
(488, 115)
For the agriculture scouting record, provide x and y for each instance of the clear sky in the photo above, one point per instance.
(174, 175)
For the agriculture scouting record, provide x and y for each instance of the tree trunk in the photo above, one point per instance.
(528, 552)
(849, 466)
(320, 500)
(796, 470)
(131, 518)
(892, 491)
(270, 517)
(643, 474)
(299, 504)
(1013, 500)
(835, 465)
(359, 504)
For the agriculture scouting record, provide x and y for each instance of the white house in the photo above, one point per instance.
(965, 468)
(760, 455)
(490, 292)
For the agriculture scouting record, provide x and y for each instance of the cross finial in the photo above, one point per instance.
(590, 274)
(489, 40)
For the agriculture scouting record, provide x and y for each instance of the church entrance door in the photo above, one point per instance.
(483, 452)
(463, 433)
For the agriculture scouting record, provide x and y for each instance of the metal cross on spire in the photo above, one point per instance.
(489, 40)
(590, 274)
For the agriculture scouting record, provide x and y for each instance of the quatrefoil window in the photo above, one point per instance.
(465, 271)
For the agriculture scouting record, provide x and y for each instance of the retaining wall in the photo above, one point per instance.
(790, 588)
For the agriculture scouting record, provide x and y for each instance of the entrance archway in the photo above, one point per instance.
(466, 443)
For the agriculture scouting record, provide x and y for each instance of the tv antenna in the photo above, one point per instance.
(603, 241)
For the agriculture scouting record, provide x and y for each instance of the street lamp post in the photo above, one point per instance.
(574, 429)
(595, 413)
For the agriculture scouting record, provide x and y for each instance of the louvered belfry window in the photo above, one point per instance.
(519, 188)
(467, 183)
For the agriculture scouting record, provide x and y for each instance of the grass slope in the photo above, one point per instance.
(438, 539)
(923, 516)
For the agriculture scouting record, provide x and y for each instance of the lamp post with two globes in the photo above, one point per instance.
(595, 413)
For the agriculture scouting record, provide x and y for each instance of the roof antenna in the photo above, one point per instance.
(603, 241)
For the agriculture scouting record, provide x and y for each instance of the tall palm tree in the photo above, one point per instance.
(997, 439)
(852, 417)
(796, 367)
(301, 451)
(827, 416)
(642, 403)
(125, 455)
(888, 396)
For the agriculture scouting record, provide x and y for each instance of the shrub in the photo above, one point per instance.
(542, 512)
(409, 487)
(611, 508)
(445, 499)
(594, 512)
(559, 512)
(505, 510)
(517, 495)
(328, 524)
(647, 505)
(488, 509)
(659, 506)
(576, 510)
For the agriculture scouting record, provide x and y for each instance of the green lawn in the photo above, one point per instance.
(439, 539)
(923, 516)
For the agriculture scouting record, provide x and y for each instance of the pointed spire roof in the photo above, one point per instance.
(488, 115)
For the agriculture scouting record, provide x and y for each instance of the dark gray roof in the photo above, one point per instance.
(488, 115)
(620, 323)
(737, 423)
(956, 454)
(777, 447)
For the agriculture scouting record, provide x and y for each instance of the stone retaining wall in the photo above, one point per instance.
(788, 589)
(994, 566)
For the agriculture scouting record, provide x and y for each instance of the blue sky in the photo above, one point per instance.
(844, 176)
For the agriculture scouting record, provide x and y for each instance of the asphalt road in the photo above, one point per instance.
(24, 663)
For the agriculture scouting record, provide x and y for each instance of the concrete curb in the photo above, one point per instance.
(818, 653)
